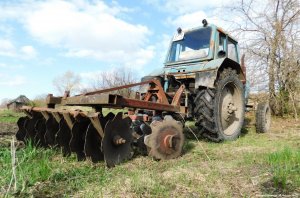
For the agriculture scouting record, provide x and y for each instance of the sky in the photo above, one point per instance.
(40, 40)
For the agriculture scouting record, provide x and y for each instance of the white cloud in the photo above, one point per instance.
(28, 52)
(178, 7)
(194, 19)
(190, 13)
(12, 81)
(7, 48)
(6, 66)
(186, 6)
(85, 29)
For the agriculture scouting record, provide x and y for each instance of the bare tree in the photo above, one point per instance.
(271, 40)
(69, 81)
(40, 100)
(117, 77)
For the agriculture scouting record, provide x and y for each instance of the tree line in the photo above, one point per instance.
(270, 37)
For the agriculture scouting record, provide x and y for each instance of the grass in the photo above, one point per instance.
(9, 116)
(255, 164)
(285, 166)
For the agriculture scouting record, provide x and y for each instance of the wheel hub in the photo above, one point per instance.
(231, 108)
(228, 107)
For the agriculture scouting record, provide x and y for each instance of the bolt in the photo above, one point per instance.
(118, 140)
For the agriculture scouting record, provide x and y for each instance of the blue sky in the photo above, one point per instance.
(40, 40)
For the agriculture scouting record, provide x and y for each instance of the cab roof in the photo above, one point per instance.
(213, 27)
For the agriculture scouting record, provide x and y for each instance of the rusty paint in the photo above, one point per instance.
(125, 102)
(144, 117)
(212, 44)
(177, 96)
(96, 123)
(68, 119)
(117, 88)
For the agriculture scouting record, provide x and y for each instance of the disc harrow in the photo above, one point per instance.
(146, 129)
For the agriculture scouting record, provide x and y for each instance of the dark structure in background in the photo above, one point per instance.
(17, 103)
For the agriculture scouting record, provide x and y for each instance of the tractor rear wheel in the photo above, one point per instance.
(263, 117)
(220, 112)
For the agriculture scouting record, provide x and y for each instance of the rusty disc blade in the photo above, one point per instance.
(166, 140)
(92, 146)
(52, 128)
(21, 133)
(78, 134)
(63, 137)
(106, 118)
(117, 153)
(40, 128)
(93, 141)
(30, 128)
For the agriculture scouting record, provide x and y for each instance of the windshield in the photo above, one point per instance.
(194, 45)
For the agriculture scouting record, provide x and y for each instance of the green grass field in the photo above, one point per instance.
(8, 116)
(254, 165)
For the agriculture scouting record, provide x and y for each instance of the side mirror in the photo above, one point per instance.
(221, 54)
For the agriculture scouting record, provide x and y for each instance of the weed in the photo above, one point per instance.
(285, 166)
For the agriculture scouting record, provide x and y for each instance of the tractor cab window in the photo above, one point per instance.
(232, 50)
(194, 45)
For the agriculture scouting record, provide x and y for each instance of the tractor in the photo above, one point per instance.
(203, 80)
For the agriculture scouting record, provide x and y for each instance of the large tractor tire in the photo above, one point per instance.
(220, 112)
(263, 117)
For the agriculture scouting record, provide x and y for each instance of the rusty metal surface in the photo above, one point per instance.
(117, 88)
(101, 99)
(92, 145)
(113, 101)
(51, 100)
(78, 134)
(52, 127)
(116, 143)
(40, 128)
(21, 133)
(69, 121)
(143, 117)
(63, 137)
(124, 102)
(166, 139)
(177, 96)
(97, 99)
(157, 90)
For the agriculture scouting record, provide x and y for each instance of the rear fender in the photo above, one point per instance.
(209, 75)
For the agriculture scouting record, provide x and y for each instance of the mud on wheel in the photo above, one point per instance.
(219, 112)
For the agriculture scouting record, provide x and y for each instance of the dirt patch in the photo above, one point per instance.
(7, 131)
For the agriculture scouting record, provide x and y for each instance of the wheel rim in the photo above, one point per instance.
(231, 106)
